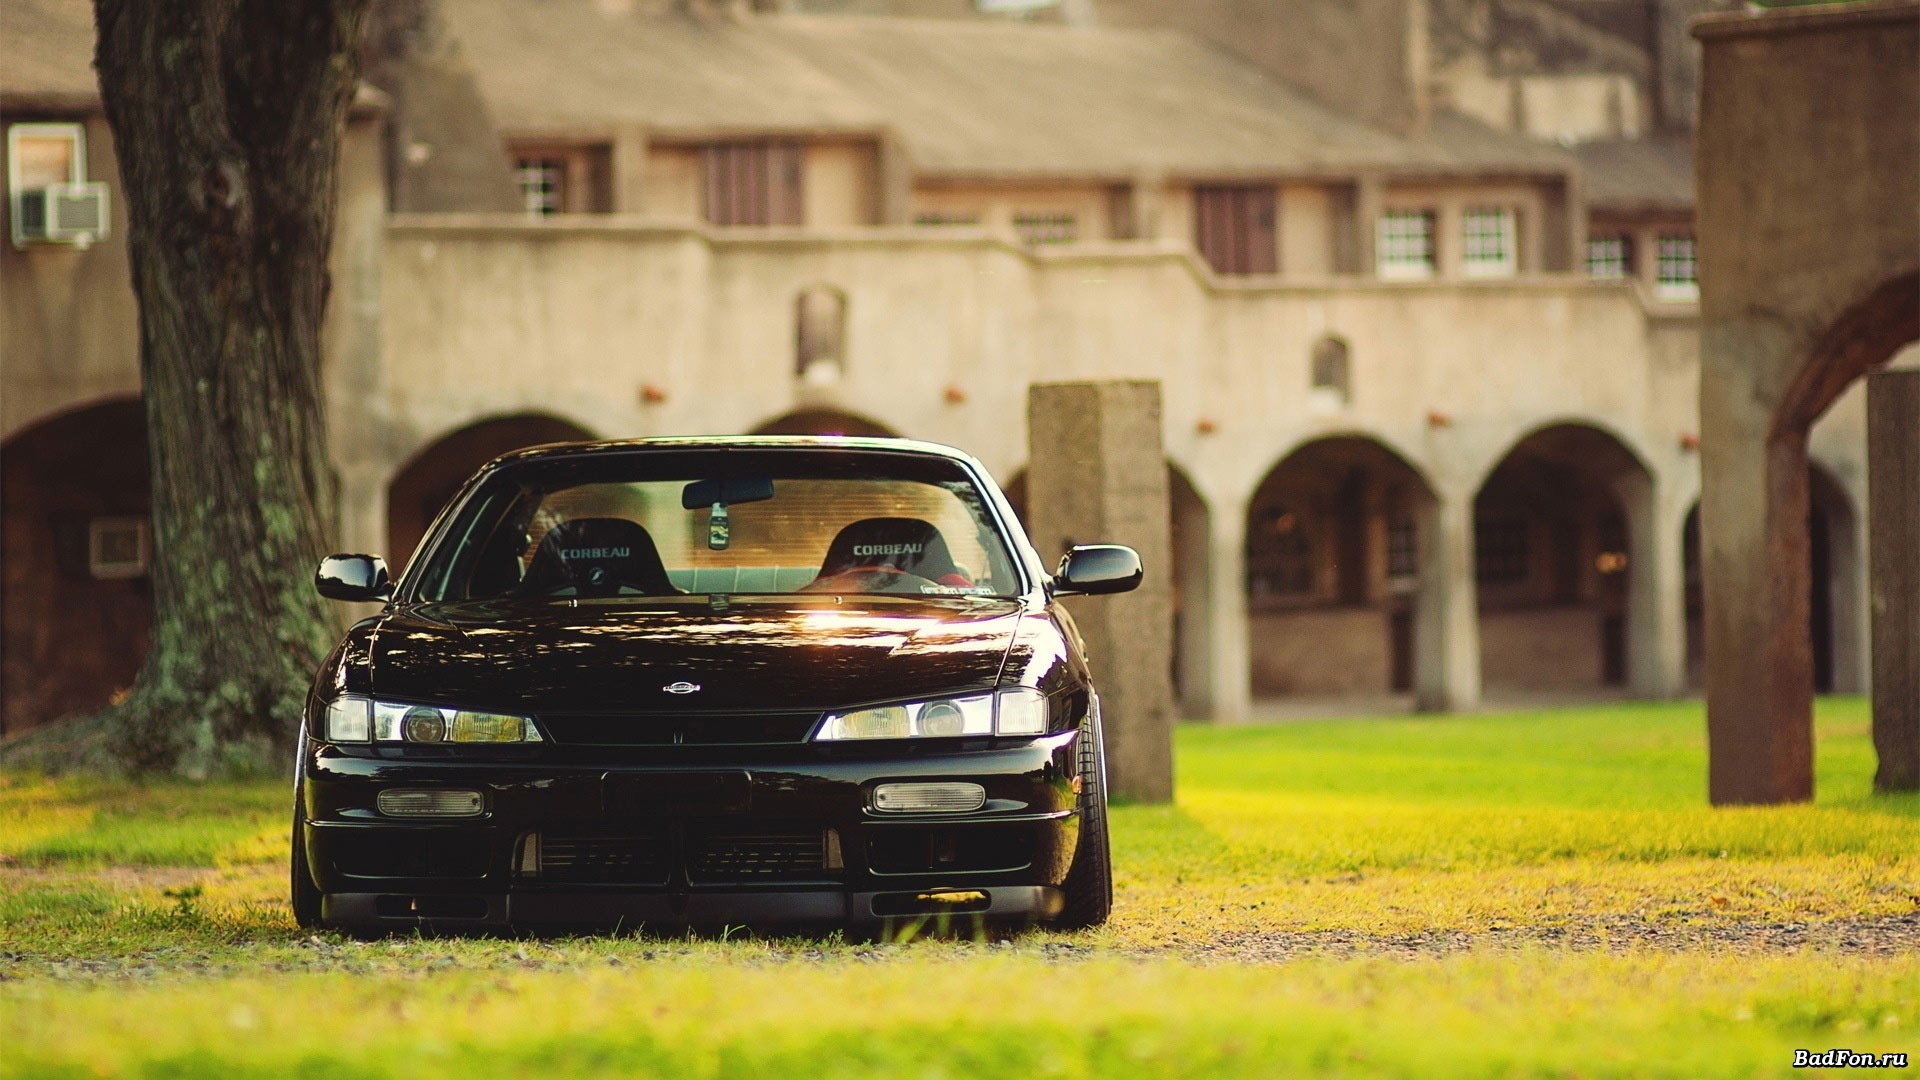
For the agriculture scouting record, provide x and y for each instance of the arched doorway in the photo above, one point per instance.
(825, 422)
(429, 481)
(1552, 563)
(74, 556)
(1834, 564)
(1333, 571)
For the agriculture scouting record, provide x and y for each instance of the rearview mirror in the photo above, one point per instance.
(353, 577)
(1094, 569)
(726, 491)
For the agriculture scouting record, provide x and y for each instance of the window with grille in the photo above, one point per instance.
(1405, 244)
(1501, 551)
(1234, 228)
(1403, 547)
(542, 182)
(1046, 228)
(1280, 555)
(1609, 258)
(1677, 272)
(1488, 245)
(753, 183)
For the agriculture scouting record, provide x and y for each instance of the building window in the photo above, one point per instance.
(1234, 228)
(1609, 258)
(1046, 228)
(1280, 555)
(1501, 550)
(1489, 248)
(754, 183)
(1403, 547)
(820, 329)
(49, 198)
(945, 219)
(542, 184)
(117, 548)
(1405, 247)
(1676, 271)
(562, 177)
(1331, 374)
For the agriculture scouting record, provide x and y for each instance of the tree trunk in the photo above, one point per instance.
(227, 117)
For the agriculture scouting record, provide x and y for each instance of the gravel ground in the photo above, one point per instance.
(1883, 936)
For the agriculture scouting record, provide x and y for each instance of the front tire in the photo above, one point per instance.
(1088, 890)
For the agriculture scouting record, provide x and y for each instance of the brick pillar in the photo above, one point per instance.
(1446, 651)
(1096, 473)
(1893, 498)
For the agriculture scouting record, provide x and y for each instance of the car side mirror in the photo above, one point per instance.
(353, 577)
(1094, 569)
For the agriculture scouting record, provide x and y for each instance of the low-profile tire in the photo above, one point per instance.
(1087, 894)
(303, 893)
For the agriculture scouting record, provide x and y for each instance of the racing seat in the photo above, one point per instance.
(892, 545)
(597, 557)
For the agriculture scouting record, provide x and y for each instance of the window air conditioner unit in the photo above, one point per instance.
(61, 214)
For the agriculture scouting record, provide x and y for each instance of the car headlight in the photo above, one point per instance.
(1020, 710)
(357, 719)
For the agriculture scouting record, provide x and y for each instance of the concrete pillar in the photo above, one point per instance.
(1097, 473)
(1656, 600)
(1228, 628)
(1446, 649)
(1755, 551)
(1893, 500)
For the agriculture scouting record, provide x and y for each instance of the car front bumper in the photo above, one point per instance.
(689, 837)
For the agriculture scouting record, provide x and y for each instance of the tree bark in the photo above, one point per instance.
(227, 117)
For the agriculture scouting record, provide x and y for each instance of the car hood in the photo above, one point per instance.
(775, 652)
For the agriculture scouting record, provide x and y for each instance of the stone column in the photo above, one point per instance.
(1446, 648)
(1228, 629)
(1097, 473)
(1656, 590)
(1893, 503)
(1755, 552)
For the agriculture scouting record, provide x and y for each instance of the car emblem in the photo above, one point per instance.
(681, 687)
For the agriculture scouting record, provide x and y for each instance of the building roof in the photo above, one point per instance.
(980, 99)
(1639, 174)
(46, 53)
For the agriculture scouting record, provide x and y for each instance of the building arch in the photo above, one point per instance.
(1333, 571)
(75, 549)
(1563, 525)
(1520, 433)
(435, 473)
(825, 422)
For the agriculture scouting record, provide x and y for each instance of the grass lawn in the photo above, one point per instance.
(1506, 895)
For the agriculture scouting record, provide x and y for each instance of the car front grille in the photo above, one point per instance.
(685, 729)
(760, 853)
(609, 860)
(710, 854)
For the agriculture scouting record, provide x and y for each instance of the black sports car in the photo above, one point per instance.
(706, 682)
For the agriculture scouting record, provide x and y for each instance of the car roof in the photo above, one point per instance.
(741, 442)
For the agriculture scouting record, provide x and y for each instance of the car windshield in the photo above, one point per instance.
(656, 523)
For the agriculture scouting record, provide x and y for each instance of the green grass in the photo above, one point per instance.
(142, 933)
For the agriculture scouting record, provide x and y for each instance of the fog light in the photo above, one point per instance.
(943, 798)
(421, 803)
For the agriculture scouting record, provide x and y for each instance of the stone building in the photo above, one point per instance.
(1430, 383)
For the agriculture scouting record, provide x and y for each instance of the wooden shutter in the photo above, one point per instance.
(754, 183)
(1233, 227)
